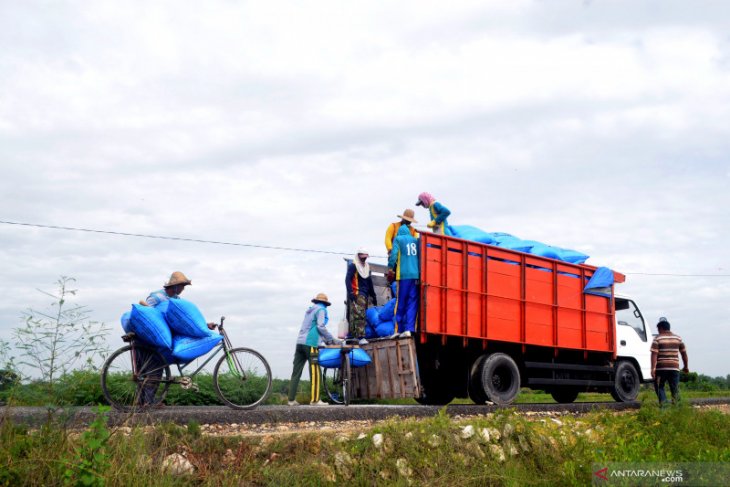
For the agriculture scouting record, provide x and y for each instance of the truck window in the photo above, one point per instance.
(627, 314)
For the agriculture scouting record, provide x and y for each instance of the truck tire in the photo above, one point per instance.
(564, 395)
(626, 382)
(476, 391)
(500, 378)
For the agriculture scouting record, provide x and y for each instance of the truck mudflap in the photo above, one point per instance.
(393, 372)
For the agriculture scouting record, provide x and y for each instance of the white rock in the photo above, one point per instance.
(177, 464)
(496, 435)
(484, 433)
(343, 464)
(403, 468)
(378, 440)
(362, 436)
(497, 452)
(434, 441)
(508, 430)
(409, 435)
(467, 431)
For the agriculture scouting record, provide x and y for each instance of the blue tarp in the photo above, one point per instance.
(508, 241)
(601, 282)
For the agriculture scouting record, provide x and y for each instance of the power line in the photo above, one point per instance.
(270, 247)
(179, 239)
(675, 275)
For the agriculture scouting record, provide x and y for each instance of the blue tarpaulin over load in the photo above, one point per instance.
(601, 282)
(507, 241)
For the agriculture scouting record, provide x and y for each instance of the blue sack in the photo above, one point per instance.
(370, 331)
(545, 251)
(329, 358)
(372, 316)
(387, 311)
(125, 322)
(514, 243)
(468, 232)
(186, 319)
(572, 256)
(359, 357)
(167, 355)
(189, 348)
(385, 329)
(150, 326)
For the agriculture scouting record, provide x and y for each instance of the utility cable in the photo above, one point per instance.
(179, 239)
(271, 247)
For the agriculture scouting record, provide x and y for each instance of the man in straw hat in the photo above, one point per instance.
(406, 218)
(312, 332)
(360, 290)
(170, 290)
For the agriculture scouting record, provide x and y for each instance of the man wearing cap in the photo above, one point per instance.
(406, 218)
(404, 261)
(665, 351)
(312, 332)
(438, 212)
(360, 290)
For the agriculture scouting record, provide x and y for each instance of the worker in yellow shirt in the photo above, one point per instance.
(406, 218)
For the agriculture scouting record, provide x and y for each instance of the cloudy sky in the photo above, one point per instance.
(599, 126)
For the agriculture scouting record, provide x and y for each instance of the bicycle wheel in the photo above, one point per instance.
(242, 378)
(127, 392)
(332, 380)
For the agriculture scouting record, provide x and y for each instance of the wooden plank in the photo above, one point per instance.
(393, 372)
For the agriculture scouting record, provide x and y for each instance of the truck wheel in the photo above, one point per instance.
(626, 382)
(564, 395)
(476, 391)
(500, 378)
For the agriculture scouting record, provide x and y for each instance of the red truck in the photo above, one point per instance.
(493, 320)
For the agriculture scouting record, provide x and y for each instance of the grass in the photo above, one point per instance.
(498, 449)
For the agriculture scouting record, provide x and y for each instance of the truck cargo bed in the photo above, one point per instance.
(393, 372)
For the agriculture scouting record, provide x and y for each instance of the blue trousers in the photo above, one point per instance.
(406, 305)
(663, 377)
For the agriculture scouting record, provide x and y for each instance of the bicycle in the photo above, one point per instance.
(137, 377)
(338, 381)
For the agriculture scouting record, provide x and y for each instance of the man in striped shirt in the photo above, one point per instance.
(665, 351)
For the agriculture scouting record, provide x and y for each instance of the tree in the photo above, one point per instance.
(60, 338)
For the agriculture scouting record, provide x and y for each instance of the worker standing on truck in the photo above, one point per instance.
(438, 213)
(312, 332)
(665, 351)
(406, 218)
(404, 260)
(360, 290)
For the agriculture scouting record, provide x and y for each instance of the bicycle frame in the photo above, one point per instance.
(225, 345)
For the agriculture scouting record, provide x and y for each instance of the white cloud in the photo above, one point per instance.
(600, 127)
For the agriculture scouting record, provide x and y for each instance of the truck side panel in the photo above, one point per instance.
(480, 291)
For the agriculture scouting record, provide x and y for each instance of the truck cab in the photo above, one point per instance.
(632, 336)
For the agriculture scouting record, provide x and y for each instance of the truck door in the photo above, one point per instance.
(631, 335)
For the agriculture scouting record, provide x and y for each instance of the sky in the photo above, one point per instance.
(597, 126)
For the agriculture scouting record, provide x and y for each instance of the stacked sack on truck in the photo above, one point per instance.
(380, 320)
(176, 328)
(507, 241)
